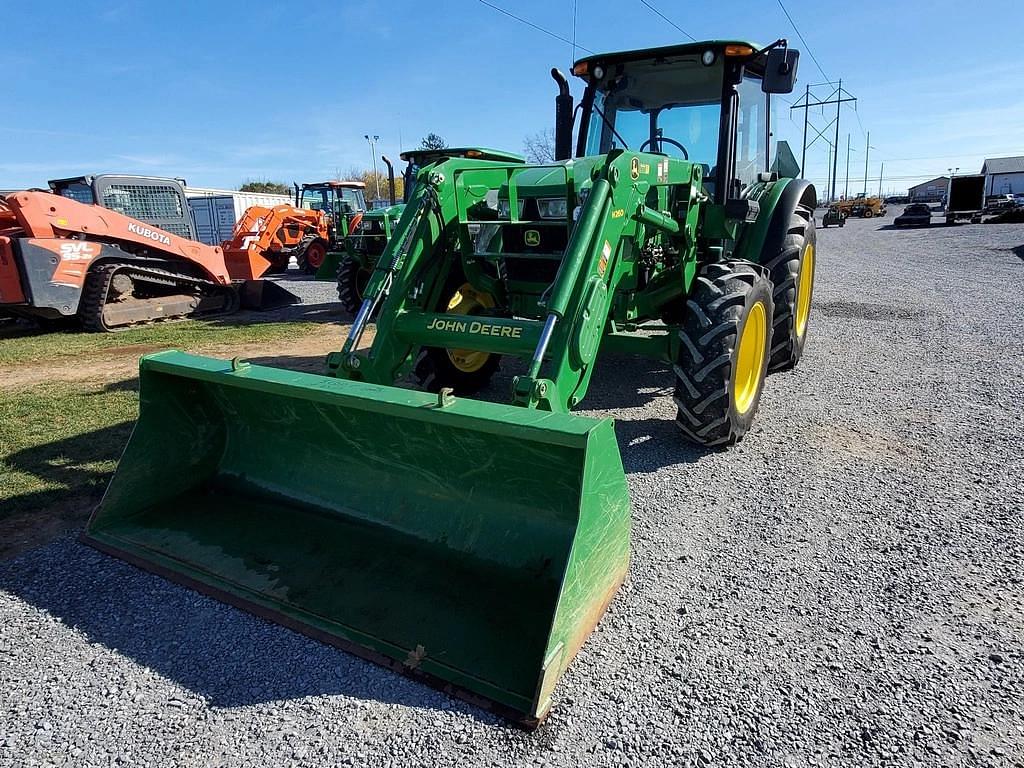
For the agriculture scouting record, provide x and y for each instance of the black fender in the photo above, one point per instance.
(777, 207)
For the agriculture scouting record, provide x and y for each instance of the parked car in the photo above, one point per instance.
(997, 203)
(915, 215)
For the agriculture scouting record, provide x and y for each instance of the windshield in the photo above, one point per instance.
(674, 107)
(670, 106)
(334, 200)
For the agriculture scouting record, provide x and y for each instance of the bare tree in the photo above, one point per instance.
(433, 141)
(540, 147)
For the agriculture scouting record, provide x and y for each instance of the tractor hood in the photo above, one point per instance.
(392, 212)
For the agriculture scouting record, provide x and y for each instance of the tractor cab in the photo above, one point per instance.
(340, 200)
(705, 103)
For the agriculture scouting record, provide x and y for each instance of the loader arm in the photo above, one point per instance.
(560, 335)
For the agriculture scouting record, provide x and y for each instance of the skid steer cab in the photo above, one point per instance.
(474, 544)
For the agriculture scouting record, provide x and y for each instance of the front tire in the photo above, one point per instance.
(464, 371)
(352, 280)
(725, 343)
(311, 259)
(792, 274)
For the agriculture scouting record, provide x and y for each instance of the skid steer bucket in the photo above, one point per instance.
(471, 544)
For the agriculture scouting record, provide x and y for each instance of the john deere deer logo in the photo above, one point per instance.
(634, 168)
(532, 238)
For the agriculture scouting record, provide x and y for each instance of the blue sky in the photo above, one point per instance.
(225, 91)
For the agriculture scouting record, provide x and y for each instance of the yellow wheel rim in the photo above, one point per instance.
(750, 358)
(466, 301)
(803, 294)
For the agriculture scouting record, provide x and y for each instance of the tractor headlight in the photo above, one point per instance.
(504, 209)
(551, 207)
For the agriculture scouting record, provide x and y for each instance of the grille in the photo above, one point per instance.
(149, 202)
(179, 228)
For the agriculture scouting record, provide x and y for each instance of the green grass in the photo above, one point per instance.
(60, 443)
(183, 335)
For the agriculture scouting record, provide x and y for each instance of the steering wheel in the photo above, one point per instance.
(659, 139)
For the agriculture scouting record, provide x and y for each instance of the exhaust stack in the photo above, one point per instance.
(563, 117)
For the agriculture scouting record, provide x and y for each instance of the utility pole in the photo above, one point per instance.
(867, 148)
(880, 172)
(838, 97)
(828, 172)
(372, 141)
(835, 156)
(803, 153)
(846, 193)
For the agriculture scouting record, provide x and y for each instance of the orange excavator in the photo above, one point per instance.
(61, 259)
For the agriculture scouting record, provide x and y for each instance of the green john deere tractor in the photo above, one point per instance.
(344, 202)
(476, 544)
(368, 239)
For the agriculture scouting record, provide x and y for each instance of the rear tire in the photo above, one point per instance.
(724, 347)
(792, 274)
(313, 257)
(352, 280)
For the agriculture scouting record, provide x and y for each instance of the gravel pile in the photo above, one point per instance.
(843, 588)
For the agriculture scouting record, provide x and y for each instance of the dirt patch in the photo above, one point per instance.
(862, 443)
(305, 353)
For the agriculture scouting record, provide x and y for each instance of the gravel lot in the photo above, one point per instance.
(843, 588)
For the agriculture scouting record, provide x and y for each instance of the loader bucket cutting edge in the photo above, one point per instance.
(474, 546)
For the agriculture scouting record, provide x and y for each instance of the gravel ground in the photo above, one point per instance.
(843, 588)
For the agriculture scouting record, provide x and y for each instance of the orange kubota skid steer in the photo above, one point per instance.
(63, 259)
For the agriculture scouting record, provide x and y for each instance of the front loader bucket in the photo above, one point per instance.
(470, 544)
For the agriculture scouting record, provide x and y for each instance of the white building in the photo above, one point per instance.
(931, 191)
(1004, 175)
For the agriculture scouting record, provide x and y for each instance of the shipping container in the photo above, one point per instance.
(216, 211)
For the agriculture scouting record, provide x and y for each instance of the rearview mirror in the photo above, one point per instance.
(780, 70)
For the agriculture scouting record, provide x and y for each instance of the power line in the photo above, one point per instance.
(798, 34)
(666, 18)
(547, 32)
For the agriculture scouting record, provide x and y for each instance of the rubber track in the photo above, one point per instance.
(97, 288)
